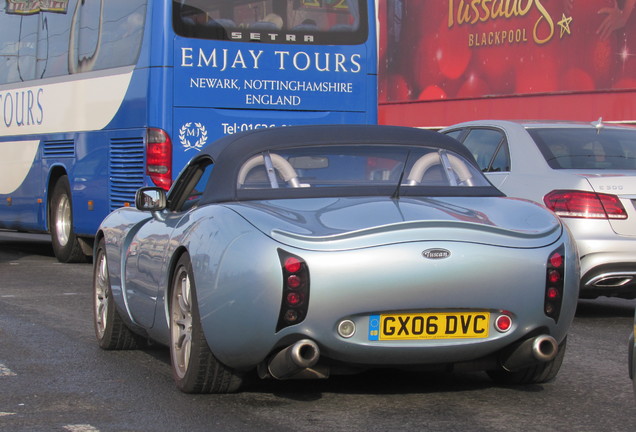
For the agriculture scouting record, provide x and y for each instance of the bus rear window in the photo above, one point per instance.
(318, 22)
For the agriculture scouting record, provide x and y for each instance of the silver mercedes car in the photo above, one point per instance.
(301, 252)
(584, 172)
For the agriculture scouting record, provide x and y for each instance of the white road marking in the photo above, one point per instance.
(81, 428)
(5, 371)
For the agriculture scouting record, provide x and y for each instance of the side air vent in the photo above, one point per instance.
(59, 149)
(126, 170)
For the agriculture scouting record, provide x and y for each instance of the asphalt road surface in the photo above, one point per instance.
(53, 376)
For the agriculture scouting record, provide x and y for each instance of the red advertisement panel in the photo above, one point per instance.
(433, 50)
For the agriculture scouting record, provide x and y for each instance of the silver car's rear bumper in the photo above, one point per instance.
(608, 268)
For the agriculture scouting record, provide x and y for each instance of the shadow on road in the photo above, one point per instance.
(14, 246)
(375, 382)
(383, 381)
(605, 307)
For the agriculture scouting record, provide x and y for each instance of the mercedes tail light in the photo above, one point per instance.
(587, 205)
(159, 157)
(295, 297)
(555, 274)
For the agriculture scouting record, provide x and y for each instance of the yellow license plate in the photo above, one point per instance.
(440, 325)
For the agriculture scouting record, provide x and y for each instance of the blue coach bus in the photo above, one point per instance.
(101, 97)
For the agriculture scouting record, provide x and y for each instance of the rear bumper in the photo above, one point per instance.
(608, 268)
(616, 279)
(356, 286)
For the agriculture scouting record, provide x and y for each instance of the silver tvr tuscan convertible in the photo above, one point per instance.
(306, 251)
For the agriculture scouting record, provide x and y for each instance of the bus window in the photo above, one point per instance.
(18, 54)
(107, 37)
(84, 36)
(274, 21)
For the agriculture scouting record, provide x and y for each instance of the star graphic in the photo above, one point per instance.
(625, 54)
(565, 25)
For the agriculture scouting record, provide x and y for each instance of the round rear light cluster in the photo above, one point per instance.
(293, 281)
(555, 272)
(554, 277)
(556, 260)
(503, 323)
(295, 298)
(292, 265)
(346, 328)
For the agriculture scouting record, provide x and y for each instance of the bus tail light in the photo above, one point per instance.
(159, 157)
(586, 205)
(295, 294)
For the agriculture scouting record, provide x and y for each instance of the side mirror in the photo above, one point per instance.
(150, 199)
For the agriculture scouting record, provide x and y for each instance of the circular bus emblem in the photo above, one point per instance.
(436, 253)
(193, 138)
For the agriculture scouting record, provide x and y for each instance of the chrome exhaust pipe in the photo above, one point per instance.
(611, 279)
(294, 359)
(539, 349)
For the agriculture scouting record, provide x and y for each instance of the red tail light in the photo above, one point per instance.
(293, 281)
(159, 158)
(588, 205)
(503, 323)
(295, 298)
(555, 273)
(292, 265)
(554, 276)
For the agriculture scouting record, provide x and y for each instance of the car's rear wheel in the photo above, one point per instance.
(110, 330)
(66, 245)
(194, 367)
(536, 374)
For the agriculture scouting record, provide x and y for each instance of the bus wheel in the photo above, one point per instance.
(66, 244)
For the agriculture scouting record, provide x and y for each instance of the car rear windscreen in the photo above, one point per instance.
(587, 148)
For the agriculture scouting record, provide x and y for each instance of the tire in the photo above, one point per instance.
(194, 367)
(537, 374)
(66, 245)
(110, 330)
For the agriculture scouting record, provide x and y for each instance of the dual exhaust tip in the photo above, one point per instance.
(611, 280)
(298, 360)
(295, 360)
(538, 349)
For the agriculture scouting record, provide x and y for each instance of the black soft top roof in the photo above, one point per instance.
(230, 152)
